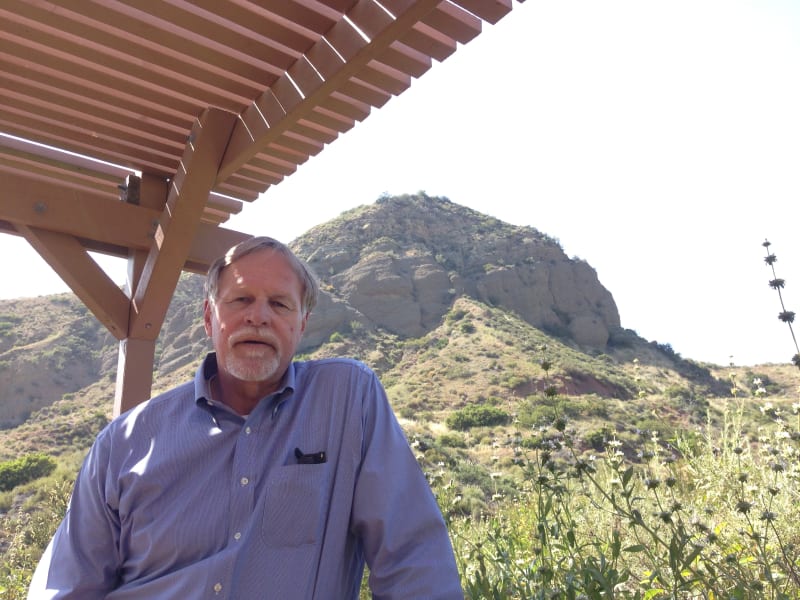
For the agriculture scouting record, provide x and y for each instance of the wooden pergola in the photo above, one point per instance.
(136, 128)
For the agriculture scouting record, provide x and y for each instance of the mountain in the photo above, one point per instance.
(418, 254)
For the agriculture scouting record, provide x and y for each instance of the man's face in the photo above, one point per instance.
(256, 321)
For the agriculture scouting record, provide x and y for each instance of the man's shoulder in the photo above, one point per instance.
(336, 364)
(159, 406)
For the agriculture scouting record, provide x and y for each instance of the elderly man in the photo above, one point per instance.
(264, 477)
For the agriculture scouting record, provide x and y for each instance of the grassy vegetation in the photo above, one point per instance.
(710, 513)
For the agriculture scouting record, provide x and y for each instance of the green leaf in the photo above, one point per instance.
(626, 476)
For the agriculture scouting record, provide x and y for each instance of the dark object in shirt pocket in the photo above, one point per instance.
(315, 458)
(294, 507)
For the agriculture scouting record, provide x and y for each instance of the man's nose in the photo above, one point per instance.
(260, 313)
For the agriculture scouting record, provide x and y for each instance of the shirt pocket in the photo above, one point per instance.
(295, 505)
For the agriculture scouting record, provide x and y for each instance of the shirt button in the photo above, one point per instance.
(247, 430)
(244, 481)
(217, 588)
(237, 535)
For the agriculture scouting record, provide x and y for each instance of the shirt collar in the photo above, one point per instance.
(208, 369)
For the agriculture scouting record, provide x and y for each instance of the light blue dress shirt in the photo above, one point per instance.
(181, 498)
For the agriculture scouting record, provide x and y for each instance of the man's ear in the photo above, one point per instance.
(207, 316)
(305, 321)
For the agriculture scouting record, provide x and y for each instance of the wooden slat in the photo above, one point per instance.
(137, 77)
(349, 107)
(454, 22)
(184, 28)
(385, 78)
(204, 17)
(405, 59)
(111, 41)
(311, 131)
(214, 217)
(264, 175)
(330, 120)
(278, 150)
(87, 107)
(246, 185)
(300, 15)
(299, 143)
(223, 203)
(47, 76)
(339, 6)
(84, 143)
(488, 10)
(272, 164)
(427, 40)
(36, 108)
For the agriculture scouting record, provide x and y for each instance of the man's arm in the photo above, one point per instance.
(405, 539)
(81, 562)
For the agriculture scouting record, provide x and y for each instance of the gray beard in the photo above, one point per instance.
(251, 369)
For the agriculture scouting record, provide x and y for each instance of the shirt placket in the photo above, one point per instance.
(243, 485)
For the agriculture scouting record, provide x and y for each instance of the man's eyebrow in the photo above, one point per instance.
(285, 298)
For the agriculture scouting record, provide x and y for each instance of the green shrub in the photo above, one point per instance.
(452, 440)
(477, 416)
(24, 469)
(467, 327)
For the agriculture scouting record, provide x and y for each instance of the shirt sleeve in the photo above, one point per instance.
(81, 562)
(405, 540)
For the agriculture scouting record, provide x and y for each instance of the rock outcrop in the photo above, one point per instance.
(400, 263)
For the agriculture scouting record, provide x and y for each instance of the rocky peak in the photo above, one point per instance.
(400, 263)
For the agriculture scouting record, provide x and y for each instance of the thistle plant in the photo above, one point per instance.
(777, 284)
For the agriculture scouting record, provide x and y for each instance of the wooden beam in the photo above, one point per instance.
(81, 213)
(179, 221)
(151, 193)
(210, 242)
(134, 373)
(89, 282)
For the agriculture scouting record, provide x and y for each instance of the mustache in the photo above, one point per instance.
(253, 334)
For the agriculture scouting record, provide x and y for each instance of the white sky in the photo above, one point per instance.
(659, 141)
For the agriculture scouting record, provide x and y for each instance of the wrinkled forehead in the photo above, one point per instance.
(267, 268)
